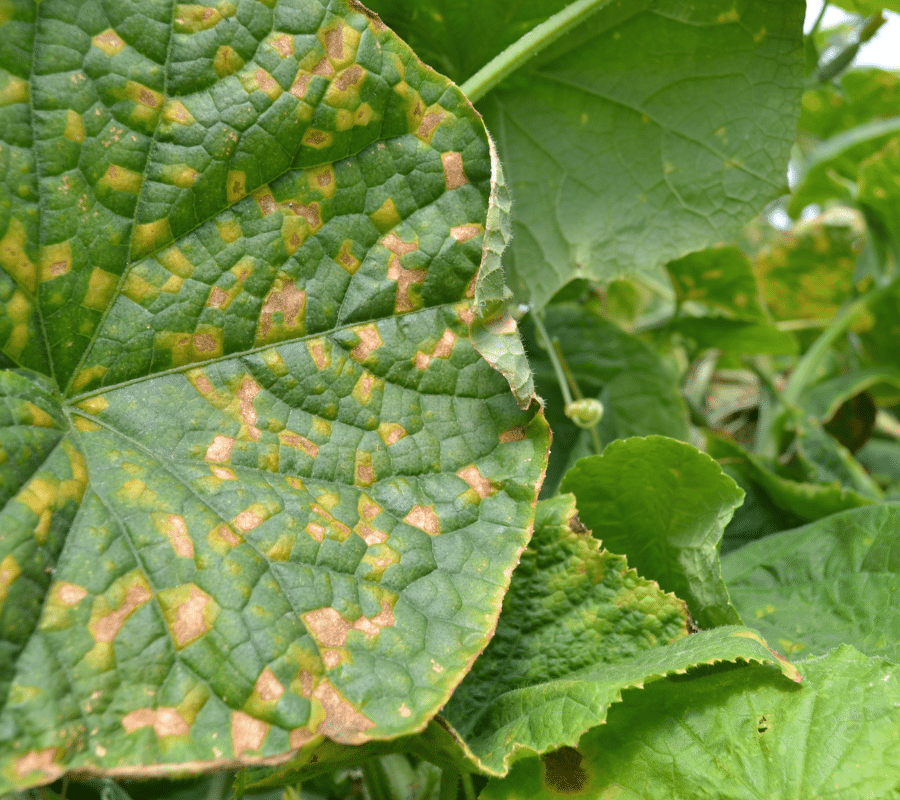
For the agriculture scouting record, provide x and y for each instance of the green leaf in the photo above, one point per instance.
(833, 581)
(808, 501)
(578, 626)
(867, 7)
(623, 151)
(664, 505)
(878, 189)
(639, 394)
(864, 94)
(260, 488)
(734, 335)
(719, 277)
(822, 400)
(741, 735)
(636, 137)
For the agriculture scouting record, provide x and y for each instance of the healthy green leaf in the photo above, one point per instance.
(734, 335)
(664, 505)
(637, 389)
(743, 734)
(808, 501)
(833, 581)
(259, 486)
(577, 627)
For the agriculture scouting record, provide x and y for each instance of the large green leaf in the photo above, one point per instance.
(259, 485)
(832, 581)
(739, 735)
(651, 129)
(578, 626)
(664, 504)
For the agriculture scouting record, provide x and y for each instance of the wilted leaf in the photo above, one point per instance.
(664, 505)
(260, 488)
(833, 581)
(737, 735)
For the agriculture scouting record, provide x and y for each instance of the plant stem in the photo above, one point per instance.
(468, 788)
(527, 47)
(449, 784)
(818, 22)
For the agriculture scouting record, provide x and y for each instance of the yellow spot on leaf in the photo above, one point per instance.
(283, 312)
(74, 130)
(101, 288)
(405, 278)
(120, 179)
(12, 90)
(431, 119)
(41, 761)
(175, 529)
(317, 139)
(397, 246)
(404, 711)
(391, 432)
(251, 517)
(298, 442)
(516, 434)
(13, 258)
(386, 217)
(9, 571)
(364, 472)
(226, 61)
(345, 258)
(109, 42)
(265, 201)
(94, 405)
(56, 260)
(150, 236)
(318, 353)
(224, 473)
(229, 230)
(176, 112)
(69, 594)
(107, 618)
(283, 44)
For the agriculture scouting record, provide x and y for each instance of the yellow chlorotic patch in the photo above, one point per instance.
(729, 16)
(298, 442)
(341, 43)
(236, 185)
(261, 81)
(224, 473)
(12, 90)
(301, 84)
(111, 610)
(100, 290)
(273, 360)
(229, 230)
(282, 549)
(320, 352)
(175, 529)
(391, 432)
(397, 246)
(283, 44)
(139, 289)
(364, 114)
(150, 236)
(181, 175)
(176, 112)
(252, 517)
(19, 310)
(424, 518)
(9, 571)
(454, 174)
(39, 417)
(223, 538)
(69, 594)
(189, 613)
(265, 200)
(109, 42)
(94, 405)
(322, 179)
(74, 130)
(226, 61)
(369, 341)
(433, 116)
(317, 139)
(165, 721)
(86, 425)
(190, 18)
(56, 260)
(386, 217)
(345, 258)
(187, 348)
(13, 258)
(120, 179)
(363, 472)
(367, 383)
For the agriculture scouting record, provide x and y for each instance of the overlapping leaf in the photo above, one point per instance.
(737, 735)
(578, 626)
(260, 487)
(664, 504)
(831, 582)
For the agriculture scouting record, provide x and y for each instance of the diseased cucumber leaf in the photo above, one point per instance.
(259, 485)
(649, 130)
(832, 581)
(737, 735)
(578, 626)
(664, 505)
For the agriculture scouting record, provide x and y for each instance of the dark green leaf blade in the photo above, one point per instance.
(664, 505)
(737, 735)
(830, 582)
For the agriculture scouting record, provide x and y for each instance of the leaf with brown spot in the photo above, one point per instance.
(213, 430)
